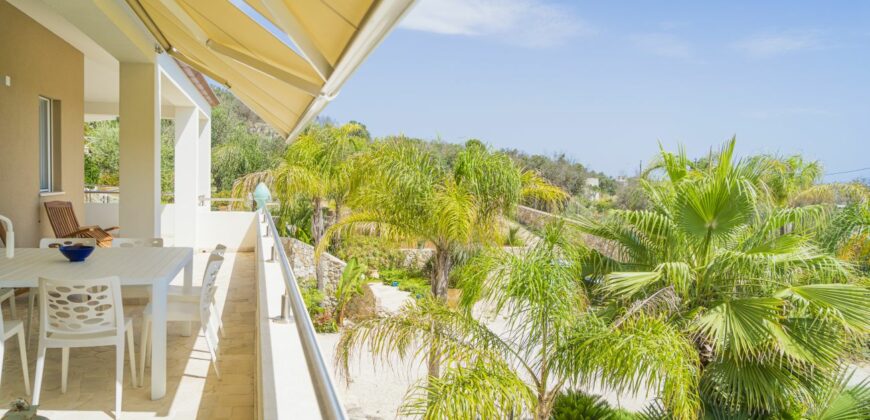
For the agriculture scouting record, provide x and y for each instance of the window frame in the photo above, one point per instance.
(46, 145)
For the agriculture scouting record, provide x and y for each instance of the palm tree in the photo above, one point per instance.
(767, 314)
(788, 178)
(404, 191)
(316, 166)
(349, 285)
(488, 374)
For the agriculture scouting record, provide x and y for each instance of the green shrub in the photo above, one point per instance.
(576, 405)
(371, 251)
(413, 282)
(321, 317)
(513, 237)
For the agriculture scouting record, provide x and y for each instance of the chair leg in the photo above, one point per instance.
(119, 376)
(64, 369)
(211, 350)
(13, 309)
(31, 304)
(40, 368)
(22, 349)
(131, 351)
(219, 320)
(2, 355)
(144, 344)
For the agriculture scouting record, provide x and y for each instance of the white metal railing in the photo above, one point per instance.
(327, 397)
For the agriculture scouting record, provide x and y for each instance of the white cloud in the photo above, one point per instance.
(662, 44)
(530, 23)
(766, 45)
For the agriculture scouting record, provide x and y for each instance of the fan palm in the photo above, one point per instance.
(317, 167)
(767, 312)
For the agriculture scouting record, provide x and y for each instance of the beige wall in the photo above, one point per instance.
(39, 63)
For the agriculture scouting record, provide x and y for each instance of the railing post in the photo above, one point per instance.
(285, 306)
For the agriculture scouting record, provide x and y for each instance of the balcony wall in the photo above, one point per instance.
(235, 229)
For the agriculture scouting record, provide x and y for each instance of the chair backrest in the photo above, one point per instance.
(59, 242)
(218, 251)
(80, 306)
(62, 217)
(209, 280)
(137, 243)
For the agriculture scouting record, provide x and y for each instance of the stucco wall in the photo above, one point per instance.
(38, 63)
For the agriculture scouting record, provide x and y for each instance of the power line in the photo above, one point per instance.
(848, 172)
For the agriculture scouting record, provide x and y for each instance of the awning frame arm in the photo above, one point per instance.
(289, 23)
(264, 67)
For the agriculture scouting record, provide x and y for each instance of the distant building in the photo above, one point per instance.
(592, 189)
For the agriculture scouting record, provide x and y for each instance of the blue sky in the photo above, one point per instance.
(604, 82)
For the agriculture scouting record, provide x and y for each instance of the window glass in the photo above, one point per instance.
(45, 144)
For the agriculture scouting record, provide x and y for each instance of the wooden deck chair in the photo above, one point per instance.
(65, 225)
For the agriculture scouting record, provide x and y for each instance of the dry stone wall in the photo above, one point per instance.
(301, 256)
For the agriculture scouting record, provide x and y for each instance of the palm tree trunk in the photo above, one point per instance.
(317, 230)
(336, 238)
(439, 290)
(441, 273)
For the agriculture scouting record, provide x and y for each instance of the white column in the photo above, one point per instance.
(186, 174)
(205, 160)
(139, 161)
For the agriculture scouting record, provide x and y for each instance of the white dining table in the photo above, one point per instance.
(155, 267)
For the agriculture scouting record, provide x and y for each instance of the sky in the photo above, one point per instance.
(606, 82)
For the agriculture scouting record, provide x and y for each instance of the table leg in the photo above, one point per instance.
(188, 284)
(158, 340)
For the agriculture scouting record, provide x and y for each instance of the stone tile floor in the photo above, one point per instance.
(193, 390)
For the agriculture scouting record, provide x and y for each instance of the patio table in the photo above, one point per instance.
(155, 267)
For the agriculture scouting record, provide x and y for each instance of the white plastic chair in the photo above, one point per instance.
(50, 243)
(192, 294)
(202, 311)
(137, 292)
(137, 243)
(8, 293)
(83, 313)
(59, 242)
(7, 330)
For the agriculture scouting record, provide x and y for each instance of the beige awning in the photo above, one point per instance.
(245, 46)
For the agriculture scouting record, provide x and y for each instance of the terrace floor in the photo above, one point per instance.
(193, 390)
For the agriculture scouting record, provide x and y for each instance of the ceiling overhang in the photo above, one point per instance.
(285, 59)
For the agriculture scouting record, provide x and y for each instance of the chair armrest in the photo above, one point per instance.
(111, 228)
(86, 229)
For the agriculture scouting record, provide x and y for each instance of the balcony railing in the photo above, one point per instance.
(327, 397)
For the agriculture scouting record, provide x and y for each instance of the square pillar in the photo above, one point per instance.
(139, 160)
(186, 174)
(205, 161)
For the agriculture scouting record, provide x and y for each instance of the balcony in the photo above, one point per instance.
(193, 390)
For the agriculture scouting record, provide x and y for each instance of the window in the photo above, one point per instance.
(46, 162)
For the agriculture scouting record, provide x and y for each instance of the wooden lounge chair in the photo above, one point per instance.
(65, 225)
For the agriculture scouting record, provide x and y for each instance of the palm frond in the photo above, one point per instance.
(489, 390)
(845, 303)
(740, 326)
(842, 401)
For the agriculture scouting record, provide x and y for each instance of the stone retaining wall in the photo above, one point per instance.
(416, 258)
(301, 256)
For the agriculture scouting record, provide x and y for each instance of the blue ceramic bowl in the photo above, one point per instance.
(76, 253)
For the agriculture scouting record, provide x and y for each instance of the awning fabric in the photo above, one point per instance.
(237, 43)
